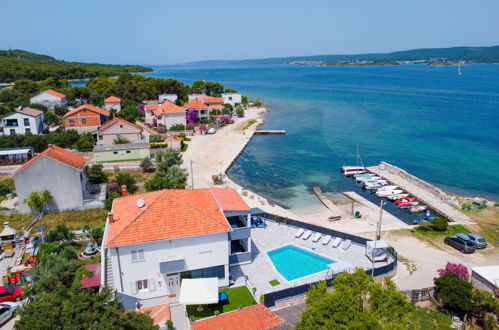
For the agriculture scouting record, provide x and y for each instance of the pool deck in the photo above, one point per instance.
(261, 270)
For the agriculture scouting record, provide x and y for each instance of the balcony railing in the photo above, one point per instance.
(238, 258)
(239, 233)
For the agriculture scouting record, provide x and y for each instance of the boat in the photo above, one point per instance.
(366, 178)
(352, 170)
(405, 200)
(374, 184)
(397, 196)
(408, 205)
(364, 175)
(381, 192)
(417, 208)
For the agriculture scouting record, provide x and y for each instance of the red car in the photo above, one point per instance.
(10, 293)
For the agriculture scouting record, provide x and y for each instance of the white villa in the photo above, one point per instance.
(166, 113)
(154, 240)
(50, 99)
(112, 103)
(168, 97)
(22, 121)
(232, 98)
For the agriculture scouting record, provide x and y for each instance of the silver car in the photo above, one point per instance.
(478, 241)
(7, 310)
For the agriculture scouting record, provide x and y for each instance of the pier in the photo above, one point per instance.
(327, 203)
(430, 195)
(270, 132)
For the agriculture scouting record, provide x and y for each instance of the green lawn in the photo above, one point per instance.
(274, 282)
(451, 230)
(239, 297)
(428, 319)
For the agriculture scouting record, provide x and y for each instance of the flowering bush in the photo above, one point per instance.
(458, 270)
(154, 121)
(113, 186)
(191, 116)
(141, 108)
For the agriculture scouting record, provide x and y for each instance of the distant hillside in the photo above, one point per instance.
(18, 64)
(453, 54)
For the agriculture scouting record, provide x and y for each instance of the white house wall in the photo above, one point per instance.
(48, 100)
(35, 124)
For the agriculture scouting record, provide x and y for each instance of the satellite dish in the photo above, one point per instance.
(140, 202)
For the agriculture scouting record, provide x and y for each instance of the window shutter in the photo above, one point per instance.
(152, 285)
(140, 252)
(133, 286)
(134, 255)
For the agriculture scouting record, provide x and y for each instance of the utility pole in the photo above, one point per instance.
(192, 177)
(377, 235)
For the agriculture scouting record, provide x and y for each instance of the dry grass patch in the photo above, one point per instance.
(17, 221)
(74, 220)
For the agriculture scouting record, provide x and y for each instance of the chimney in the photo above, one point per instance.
(124, 191)
(110, 217)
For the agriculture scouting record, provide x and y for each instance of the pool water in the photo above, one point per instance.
(293, 262)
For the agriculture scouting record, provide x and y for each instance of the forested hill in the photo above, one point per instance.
(19, 64)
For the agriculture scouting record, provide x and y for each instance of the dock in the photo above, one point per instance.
(430, 195)
(270, 132)
(327, 203)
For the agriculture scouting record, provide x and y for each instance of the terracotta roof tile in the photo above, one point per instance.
(256, 317)
(195, 104)
(158, 313)
(92, 108)
(59, 154)
(171, 138)
(166, 214)
(30, 111)
(114, 121)
(53, 92)
(112, 99)
(210, 99)
(229, 199)
(167, 107)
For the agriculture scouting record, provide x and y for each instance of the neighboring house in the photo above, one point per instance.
(121, 152)
(486, 278)
(232, 98)
(213, 103)
(50, 99)
(116, 128)
(25, 120)
(193, 96)
(112, 103)
(200, 108)
(168, 97)
(173, 142)
(85, 118)
(15, 156)
(57, 170)
(153, 240)
(166, 113)
(256, 317)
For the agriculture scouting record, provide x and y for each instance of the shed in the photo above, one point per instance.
(486, 278)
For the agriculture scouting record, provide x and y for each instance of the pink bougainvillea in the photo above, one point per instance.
(112, 186)
(457, 270)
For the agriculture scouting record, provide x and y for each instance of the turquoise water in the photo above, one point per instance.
(436, 124)
(292, 262)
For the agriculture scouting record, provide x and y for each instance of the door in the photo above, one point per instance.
(173, 283)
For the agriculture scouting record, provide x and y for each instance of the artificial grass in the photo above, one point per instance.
(239, 297)
(274, 282)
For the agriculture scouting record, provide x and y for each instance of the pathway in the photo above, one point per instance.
(179, 317)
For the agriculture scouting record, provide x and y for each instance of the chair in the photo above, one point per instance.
(299, 232)
(316, 237)
(337, 241)
(326, 240)
(347, 244)
(307, 234)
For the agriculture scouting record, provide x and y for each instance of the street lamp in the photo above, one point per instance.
(378, 234)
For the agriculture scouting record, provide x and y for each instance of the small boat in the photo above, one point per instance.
(375, 184)
(405, 200)
(408, 205)
(397, 196)
(386, 193)
(366, 178)
(417, 208)
(352, 170)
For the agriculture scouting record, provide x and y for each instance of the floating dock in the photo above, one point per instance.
(430, 195)
(270, 132)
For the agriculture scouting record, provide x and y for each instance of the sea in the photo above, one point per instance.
(429, 120)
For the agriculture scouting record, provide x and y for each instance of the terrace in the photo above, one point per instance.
(261, 271)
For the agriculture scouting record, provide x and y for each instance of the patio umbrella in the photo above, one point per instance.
(199, 291)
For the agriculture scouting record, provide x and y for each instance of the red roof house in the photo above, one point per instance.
(85, 118)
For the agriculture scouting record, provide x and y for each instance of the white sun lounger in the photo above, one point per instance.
(316, 237)
(299, 232)
(307, 234)
(336, 242)
(347, 244)
(326, 240)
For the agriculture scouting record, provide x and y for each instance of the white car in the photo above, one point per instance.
(7, 310)
(212, 130)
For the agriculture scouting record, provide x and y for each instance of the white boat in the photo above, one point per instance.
(387, 192)
(352, 170)
(364, 175)
(417, 208)
(408, 205)
(375, 184)
(397, 196)
(366, 178)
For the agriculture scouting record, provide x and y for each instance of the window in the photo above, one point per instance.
(230, 98)
(12, 132)
(138, 255)
(84, 121)
(128, 151)
(26, 122)
(71, 122)
(28, 130)
(11, 122)
(142, 285)
(115, 152)
(101, 137)
(217, 271)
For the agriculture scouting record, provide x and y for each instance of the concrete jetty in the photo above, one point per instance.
(327, 203)
(270, 132)
(430, 195)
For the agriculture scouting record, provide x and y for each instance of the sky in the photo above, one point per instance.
(168, 32)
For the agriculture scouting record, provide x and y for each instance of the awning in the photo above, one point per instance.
(199, 291)
(380, 244)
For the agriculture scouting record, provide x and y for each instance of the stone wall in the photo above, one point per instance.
(419, 183)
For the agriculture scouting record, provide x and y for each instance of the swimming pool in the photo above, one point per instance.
(293, 262)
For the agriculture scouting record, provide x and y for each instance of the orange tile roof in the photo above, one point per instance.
(10, 87)
(195, 104)
(53, 92)
(256, 317)
(151, 106)
(92, 108)
(166, 214)
(30, 111)
(158, 313)
(112, 99)
(229, 199)
(170, 138)
(210, 99)
(59, 154)
(167, 107)
(114, 121)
